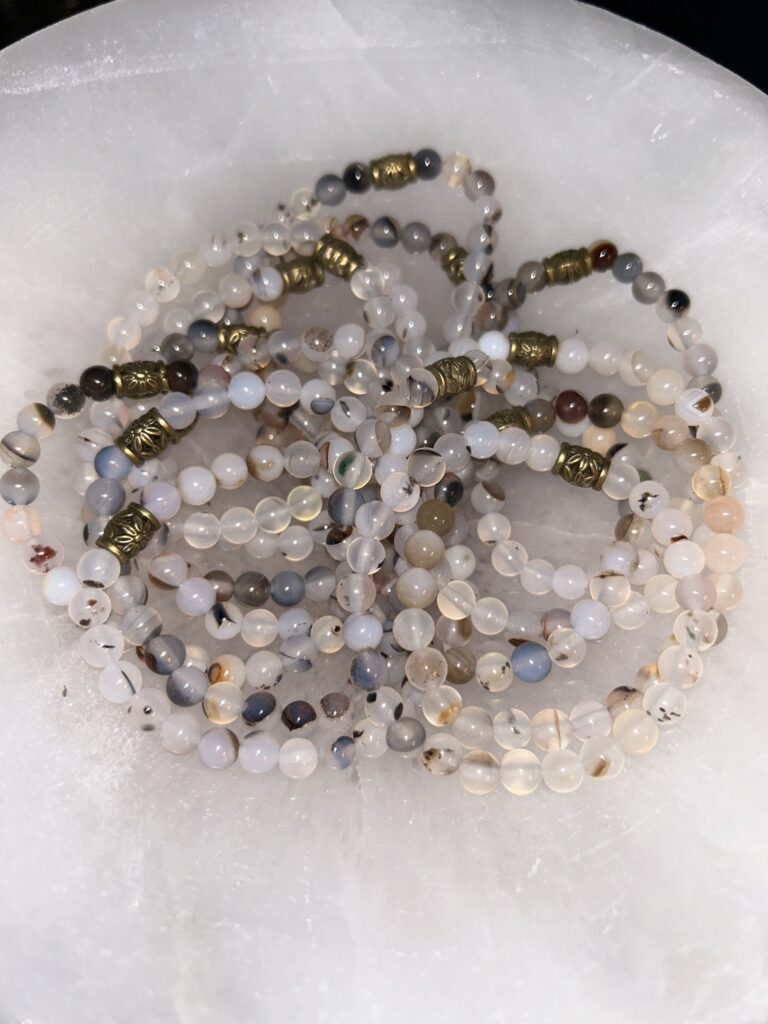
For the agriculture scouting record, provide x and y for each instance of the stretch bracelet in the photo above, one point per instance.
(709, 476)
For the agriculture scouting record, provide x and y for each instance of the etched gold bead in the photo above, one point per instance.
(454, 375)
(532, 348)
(453, 264)
(337, 257)
(147, 437)
(128, 532)
(142, 379)
(514, 416)
(301, 274)
(394, 171)
(231, 335)
(568, 266)
(581, 467)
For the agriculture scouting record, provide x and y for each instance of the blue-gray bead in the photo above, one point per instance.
(111, 462)
(204, 336)
(531, 662)
(320, 583)
(105, 496)
(186, 686)
(385, 351)
(287, 589)
(343, 752)
(384, 232)
(416, 237)
(369, 670)
(428, 164)
(259, 706)
(330, 190)
(19, 486)
(406, 735)
(298, 714)
(343, 504)
(626, 267)
(164, 654)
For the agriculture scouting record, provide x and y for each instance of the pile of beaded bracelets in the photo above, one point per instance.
(392, 517)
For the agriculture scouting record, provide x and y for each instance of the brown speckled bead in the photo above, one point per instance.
(571, 406)
(490, 317)
(542, 413)
(603, 255)
(605, 410)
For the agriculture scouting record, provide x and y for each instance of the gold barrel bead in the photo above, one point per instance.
(532, 348)
(394, 171)
(128, 532)
(142, 379)
(301, 274)
(231, 335)
(453, 264)
(514, 416)
(147, 437)
(568, 266)
(337, 257)
(581, 467)
(454, 375)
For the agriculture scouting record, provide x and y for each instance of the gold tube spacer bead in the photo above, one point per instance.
(128, 532)
(142, 379)
(581, 467)
(454, 375)
(568, 266)
(453, 264)
(301, 274)
(514, 416)
(230, 336)
(337, 257)
(147, 437)
(394, 171)
(532, 348)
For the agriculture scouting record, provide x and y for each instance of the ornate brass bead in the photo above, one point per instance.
(337, 257)
(147, 437)
(568, 266)
(394, 171)
(140, 380)
(514, 416)
(230, 336)
(453, 264)
(581, 467)
(301, 274)
(128, 532)
(532, 348)
(454, 375)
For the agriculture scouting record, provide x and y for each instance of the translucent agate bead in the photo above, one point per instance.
(441, 755)
(426, 668)
(680, 666)
(695, 629)
(724, 514)
(494, 671)
(602, 758)
(521, 772)
(635, 731)
(479, 772)
(724, 553)
(119, 681)
(441, 705)
(473, 727)
(665, 704)
(566, 647)
(551, 729)
(562, 771)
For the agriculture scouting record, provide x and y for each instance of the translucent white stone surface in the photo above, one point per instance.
(139, 887)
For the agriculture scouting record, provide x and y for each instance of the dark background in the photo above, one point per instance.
(733, 34)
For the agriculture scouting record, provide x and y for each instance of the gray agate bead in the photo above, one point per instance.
(19, 449)
(627, 267)
(19, 486)
(405, 735)
(164, 654)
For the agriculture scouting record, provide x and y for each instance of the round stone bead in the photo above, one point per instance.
(489, 616)
(342, 752)
(259, 752)
(164, 653)
(635, 731)
(180, 733)
(19, 449)
(562, 771)
(473, 727)
(101, 645)
(186, 686)
(182, 376)
(684, 558)
(368, 670)
(21, 524)
(591, 719)
(149, 709)
(441, 755)
(60, 585)
(603, 255)
(162, 500)
(479, 772)
(591, 619)
(724, 553)
(330, 190)
(19, 486)
(97, 383)
(665, 704)
(647, 287)
(120, 681)
(520, 772)
(98, 568)
(37, 420)
(569, 582)
(724, 514)
(531, 662)
(217, 748)
(428, 164)
(511, 728)
(494, 671)
(551, 729)
(602, 757)
(426, 668)
(65, 400)
(196, 485)
(259, 708)
(287, 589)
(680, 666)
(298, 714)
(195, 596)
(298, 758)
(627, 267)
(413, 628)
(572, 356)
(405, 735)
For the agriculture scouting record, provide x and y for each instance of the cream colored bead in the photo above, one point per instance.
(562, 771)
(664, 387)
(520, 772)
(551, 729)
(635, 731)
(638, 419)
